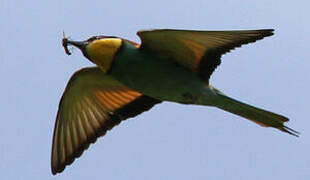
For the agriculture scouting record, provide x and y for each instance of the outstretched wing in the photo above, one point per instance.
(91, 104)
(200, 51)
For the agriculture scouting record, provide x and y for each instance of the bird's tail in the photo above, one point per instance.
(259, 116)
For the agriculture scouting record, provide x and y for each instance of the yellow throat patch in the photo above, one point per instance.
(102, 52)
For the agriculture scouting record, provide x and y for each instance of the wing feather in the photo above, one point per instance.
(199, 51)
(91, 104)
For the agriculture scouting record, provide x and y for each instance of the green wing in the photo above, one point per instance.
(91, 104)
(200, 51)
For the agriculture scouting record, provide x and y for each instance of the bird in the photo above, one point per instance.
(129, 78)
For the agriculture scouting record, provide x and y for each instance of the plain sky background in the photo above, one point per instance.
(171, 141)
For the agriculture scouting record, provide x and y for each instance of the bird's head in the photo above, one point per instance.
(100, 50)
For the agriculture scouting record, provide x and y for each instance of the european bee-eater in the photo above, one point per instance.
(169, 65)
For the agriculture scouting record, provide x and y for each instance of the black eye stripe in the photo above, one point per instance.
(92, 38)
(98, 37)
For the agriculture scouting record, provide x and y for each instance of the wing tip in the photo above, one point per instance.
(60, 167)
(266, 32)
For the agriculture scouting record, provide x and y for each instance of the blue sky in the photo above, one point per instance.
(171, 141)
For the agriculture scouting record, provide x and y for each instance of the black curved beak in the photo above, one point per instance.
(79, 44)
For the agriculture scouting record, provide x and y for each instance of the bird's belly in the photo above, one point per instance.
(162, 79)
